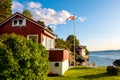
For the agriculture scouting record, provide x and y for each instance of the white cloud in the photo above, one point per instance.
(17, 7)
(53, 17)
(82, 19)
(50, 16)
(34, 5)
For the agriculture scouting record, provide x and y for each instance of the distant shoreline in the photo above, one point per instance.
(105, 50)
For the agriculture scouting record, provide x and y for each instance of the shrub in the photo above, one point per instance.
(116, 62)
(113, 70)
(21, 59)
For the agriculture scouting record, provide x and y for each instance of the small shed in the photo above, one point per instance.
(59, 61)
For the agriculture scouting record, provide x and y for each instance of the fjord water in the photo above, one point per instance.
(104, 58)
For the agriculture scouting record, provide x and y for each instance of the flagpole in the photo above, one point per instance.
(74, 42)
(73, 18)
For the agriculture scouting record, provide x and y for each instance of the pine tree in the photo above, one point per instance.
(5, 9)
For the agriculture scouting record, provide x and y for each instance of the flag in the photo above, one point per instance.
(71, 18)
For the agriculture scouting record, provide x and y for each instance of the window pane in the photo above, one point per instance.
(48, 44)
(20, 22)
(15, 22)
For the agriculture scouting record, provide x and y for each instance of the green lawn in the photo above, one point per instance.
(83, 73)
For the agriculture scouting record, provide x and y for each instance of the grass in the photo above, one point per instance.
(85, 73)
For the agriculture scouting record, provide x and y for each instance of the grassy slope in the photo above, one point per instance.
(82, 73)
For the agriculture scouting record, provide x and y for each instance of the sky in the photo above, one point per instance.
(97, 22)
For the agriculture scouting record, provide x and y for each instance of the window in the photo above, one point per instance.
(52, 43)
(15, 22)
(18, 22)
(34, 38)
(56, 64)
(47, 42)
(44, 41)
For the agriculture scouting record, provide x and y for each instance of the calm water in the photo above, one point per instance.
(104, 58)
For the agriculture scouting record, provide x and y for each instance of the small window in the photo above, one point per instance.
(20, 22)
(56, 64)
(15, 22)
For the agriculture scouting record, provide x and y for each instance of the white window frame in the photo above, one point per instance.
(18, 23)
(32, 35)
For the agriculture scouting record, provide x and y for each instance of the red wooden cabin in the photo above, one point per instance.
(22, 25)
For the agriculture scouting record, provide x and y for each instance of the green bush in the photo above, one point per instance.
(113, 70)
(21, 59)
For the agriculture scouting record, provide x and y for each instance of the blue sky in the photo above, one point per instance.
(97, 21)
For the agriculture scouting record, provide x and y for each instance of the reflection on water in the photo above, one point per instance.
(104, 58)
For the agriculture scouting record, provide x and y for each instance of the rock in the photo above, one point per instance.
(116, 62)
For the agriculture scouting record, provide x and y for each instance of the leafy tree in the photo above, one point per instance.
(70, 39)
(68, 44)
(27, 13)
(41, 23)
(50, 28)
(60, 43)
(5, 9)
(21, 59)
